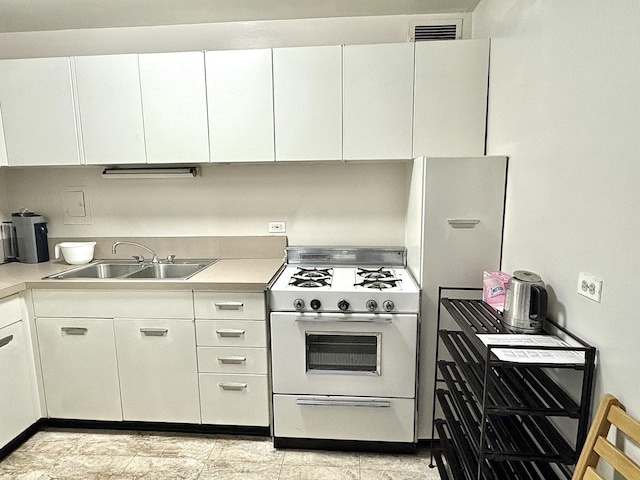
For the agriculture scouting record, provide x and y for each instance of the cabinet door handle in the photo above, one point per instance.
(6, 341)
(75, 330)
(230, 332)
(229, 305)
(320, 402)
(233, 386)
(232, 359)
(154, 332)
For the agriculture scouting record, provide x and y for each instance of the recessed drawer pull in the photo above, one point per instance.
(233, 386)
(319, 402)
(229, 305)
(154, 332)
(75, 330)
(230, 332)
(6, 341)
(231, 359)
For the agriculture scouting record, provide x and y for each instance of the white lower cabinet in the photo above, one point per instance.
(79, 368)
(232, 358)
(158, 373)
(17, 406)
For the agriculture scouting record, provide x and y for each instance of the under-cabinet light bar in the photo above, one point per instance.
(166, 172)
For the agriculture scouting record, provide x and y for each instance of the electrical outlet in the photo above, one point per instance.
(590, 286)
(277, 227)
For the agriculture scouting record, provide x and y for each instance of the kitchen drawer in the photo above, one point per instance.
(10, 311)
(231, 333)
(234, 399)
(113, 303)
(344, 418)
(232, 360)
(249, 306)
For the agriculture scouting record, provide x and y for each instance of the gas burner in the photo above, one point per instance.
(311, 277)
(381, 273)
(380, 284)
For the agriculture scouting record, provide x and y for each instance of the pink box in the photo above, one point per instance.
(494, 288)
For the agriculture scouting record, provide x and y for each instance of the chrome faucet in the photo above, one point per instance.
(139, 257)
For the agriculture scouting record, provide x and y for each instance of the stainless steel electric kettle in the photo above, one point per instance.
(525, 304)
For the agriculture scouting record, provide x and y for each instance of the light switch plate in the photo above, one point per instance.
(76, 207)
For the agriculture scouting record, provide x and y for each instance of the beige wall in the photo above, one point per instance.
(564, 104)
(322, 203)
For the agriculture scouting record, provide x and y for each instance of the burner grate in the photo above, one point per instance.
(311, 277)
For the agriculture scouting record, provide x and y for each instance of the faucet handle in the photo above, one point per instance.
(171, 258)
(138, 258)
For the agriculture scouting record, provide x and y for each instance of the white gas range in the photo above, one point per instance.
(344, 341)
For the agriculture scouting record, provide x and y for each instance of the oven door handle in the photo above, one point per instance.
(346, 319)
(323, 402)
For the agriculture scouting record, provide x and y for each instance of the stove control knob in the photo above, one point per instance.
(298, 304)
(388, 305)
(315, 304)
(343, 305)
(372, 305)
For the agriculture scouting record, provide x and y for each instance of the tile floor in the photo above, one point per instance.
(63, 454)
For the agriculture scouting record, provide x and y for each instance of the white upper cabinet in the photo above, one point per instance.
(38, 110)
(174, 106)
(307, 83)
(451, 98)
(110, 107)
(378, 101)
(240, 99)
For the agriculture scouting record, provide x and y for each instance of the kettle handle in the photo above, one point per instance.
(57, 251)
(538, 304)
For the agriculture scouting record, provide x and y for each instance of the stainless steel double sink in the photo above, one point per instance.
(132, 270)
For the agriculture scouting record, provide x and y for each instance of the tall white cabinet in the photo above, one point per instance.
(307, 94)
(174, 103)
(443, 189)
(378, 101)
(110, 108)
(451, 84)
(38, 110)
(3, 147)
(240, 102)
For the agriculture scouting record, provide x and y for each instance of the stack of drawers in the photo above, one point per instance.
(231, 335)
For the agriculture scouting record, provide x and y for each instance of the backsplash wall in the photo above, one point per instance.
(321, 203)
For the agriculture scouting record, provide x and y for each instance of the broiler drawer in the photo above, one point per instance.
(344, 418)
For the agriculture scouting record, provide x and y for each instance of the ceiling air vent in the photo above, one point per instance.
(447, 30)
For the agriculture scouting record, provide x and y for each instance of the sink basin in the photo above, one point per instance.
(123, 270)
(168, 270)
(100, 270)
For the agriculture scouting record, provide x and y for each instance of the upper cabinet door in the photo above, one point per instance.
(378, 101)
(307, 84)
(110, 109)
(240, 96)
(174, 106)
(451, 98)
(38, 111)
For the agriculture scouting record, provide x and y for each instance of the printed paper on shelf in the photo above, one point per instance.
(532, 355)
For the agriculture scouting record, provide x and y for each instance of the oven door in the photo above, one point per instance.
(344, 354)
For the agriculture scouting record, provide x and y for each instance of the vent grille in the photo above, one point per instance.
(424, 33)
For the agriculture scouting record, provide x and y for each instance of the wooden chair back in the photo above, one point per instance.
(597, 447)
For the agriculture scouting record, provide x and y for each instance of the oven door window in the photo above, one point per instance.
(357, 353)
